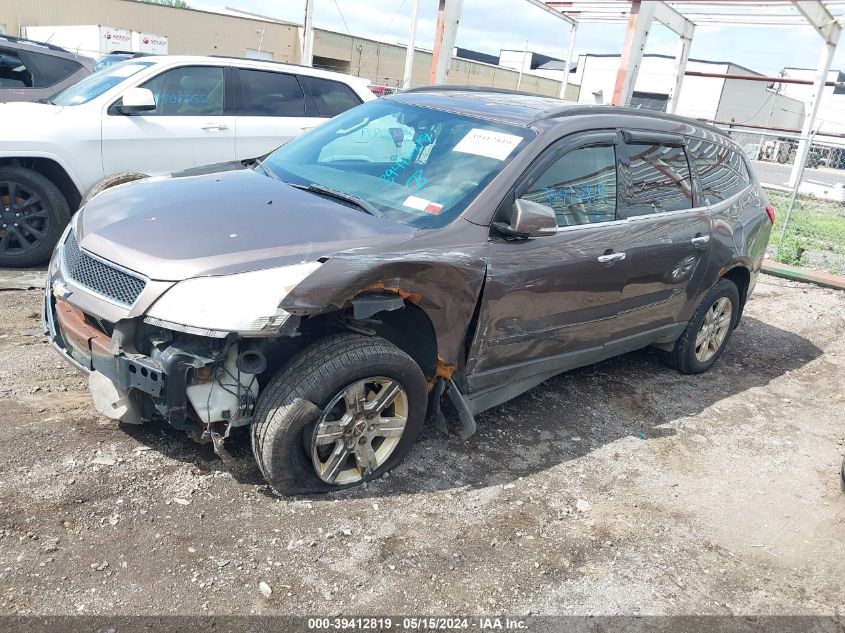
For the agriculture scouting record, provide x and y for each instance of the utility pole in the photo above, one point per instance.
(409, 54)
(308, 34)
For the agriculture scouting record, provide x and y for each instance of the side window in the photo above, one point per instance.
(187, 91)
(721, 171)
(265, 93)
(330, 97)
(13, 72)
(660, 179)
(50, 69)
(580, 186)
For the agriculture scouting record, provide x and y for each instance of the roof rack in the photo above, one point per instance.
(455, 88)
(23, 40)
(273, 61)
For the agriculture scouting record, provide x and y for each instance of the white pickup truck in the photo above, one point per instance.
(146, 117)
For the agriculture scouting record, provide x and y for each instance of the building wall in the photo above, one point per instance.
(204, 33)
(831, 115)
(189, 32)
(753, 103)
(701, 97)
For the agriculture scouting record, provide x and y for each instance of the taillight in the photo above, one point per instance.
(770, 211)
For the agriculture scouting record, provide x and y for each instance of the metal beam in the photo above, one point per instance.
(826, 26)
(810, 113)
(636, 36)
(308, 34)
(545, 7)
(573, 31)
(446, 31)
(673, 20)
(684, 44)
(820, 19)
(409, 54)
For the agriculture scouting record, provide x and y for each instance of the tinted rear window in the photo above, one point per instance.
(266, 93)
(660, 179)
(331, 97)
(50, 70)
(721, 171)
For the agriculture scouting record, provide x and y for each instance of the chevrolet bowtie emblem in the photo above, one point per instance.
(61, 291)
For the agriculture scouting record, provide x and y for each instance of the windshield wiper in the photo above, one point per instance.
(365, 206)
(266, 171)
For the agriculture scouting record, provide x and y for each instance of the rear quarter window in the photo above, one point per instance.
(330, 97)
(722, 171)
(51, 69)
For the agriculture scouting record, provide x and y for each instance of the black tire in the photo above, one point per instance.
(29, 233)
(683, 357)
(108, 182)
(286, 415)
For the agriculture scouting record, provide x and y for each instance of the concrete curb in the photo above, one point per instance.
(796, 273)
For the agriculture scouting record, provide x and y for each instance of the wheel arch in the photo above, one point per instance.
(54, 171)
(741, 277)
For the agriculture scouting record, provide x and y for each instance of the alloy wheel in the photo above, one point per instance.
(359, 430)
(24, 218)
(714, 329)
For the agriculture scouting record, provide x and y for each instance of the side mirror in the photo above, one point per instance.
(137, 100)
(529, 219)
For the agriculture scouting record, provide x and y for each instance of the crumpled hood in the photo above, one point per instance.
(177, 228)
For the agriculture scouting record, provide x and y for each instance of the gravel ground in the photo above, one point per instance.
(622, 488)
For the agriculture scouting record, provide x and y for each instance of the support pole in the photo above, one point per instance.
(409, 54)
(636, 36)
(308, 34)
(522, 67)
(573, 30)
(803, 150)
(448, 16)
(681, 58)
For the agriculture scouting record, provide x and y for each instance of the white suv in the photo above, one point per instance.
(148, 116)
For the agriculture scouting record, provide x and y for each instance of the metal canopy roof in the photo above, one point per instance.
(757, 13)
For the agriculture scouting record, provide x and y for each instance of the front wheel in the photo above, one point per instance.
(709, 330)
(33, 214)
(343, 411)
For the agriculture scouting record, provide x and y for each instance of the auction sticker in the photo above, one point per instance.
(417, 203)
(487, 143)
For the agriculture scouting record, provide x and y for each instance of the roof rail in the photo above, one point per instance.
(23, 40)
(455, 88)
(273, 61)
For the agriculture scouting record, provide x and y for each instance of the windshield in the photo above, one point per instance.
(418, 166)
(94, 85)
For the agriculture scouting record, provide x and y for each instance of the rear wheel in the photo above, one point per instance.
(343, 411)
(709, 330)
(33, 214)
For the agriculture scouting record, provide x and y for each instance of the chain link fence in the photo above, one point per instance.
(810, 226)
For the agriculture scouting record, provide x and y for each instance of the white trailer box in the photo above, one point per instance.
(149, 43)
(95, 41)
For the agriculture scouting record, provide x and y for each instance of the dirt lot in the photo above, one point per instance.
(620, 488)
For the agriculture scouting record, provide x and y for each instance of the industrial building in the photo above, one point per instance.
(241, 34)
(710, 98)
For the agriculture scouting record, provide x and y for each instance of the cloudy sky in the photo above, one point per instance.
(489, 25)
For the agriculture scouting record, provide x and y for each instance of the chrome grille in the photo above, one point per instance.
(98, 276)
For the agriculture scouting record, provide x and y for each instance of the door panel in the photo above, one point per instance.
(188, 128)
(668, 256)
(668, 245)
(545, 298)
(550, 300)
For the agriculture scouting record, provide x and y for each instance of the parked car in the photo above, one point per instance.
(115, 57)
(30, 71)
(148, 117)
(329, 303)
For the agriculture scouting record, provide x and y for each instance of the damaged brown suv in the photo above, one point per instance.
(467, 243)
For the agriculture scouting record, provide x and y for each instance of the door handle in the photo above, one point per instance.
(700, 240)
(215, 126)
(610, 258)
(307, 127)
